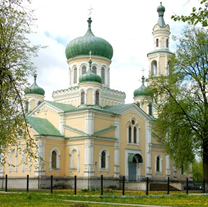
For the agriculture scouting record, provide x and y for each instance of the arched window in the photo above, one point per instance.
(13, 160)
(157, 42)
(27, 106)
(133, 132)
(54, 160)
(167, 43)
(158, 163)
(75, 75)
(103, 159)
(39, 102)
(84, 69)
(150, 109)
(74, 159)
(129, 134)
(97, 97)
(94, 69)
(154, 67)
(135, 135)
(82, 97)
(103, 75)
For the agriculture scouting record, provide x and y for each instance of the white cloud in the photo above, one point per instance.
(127, 25)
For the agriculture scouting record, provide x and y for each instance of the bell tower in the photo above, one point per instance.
(160, 56)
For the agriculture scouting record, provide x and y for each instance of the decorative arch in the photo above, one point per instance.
(104, 159)
(74, 159)
(154, 67)
(13, 160)
(54, 159)
(132, 131)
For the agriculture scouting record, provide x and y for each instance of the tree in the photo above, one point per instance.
(199, 15)
(197, 169)
(183, 114)
(16, 52)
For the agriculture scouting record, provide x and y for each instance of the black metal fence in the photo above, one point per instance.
(52, 183)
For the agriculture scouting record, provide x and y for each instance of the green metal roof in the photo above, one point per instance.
(43, 126)
(138, 156)
(161, 10)
(89, 42)
(34, 88)
(160, 51)
(142, 90)
(90, 76)
(61, 106)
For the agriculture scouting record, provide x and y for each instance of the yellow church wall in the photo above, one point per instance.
(78, 145)
(32, 104)
(90, 96)
(76, 122)
(100, 145)
(53, 143)
(102, 122)
(124, 142)
(50, 115)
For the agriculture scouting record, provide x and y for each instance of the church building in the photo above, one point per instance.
(88, 130)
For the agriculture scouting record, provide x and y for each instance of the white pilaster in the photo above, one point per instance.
(89, 160)
(117, 149)
(61, 123)
(89, 123)
(148, 150)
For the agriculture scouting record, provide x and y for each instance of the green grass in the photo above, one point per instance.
(61, 198)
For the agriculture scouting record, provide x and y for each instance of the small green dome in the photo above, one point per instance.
(161, 8)
(89, 42)
(34, 88)
(90, 76)
(142, 90)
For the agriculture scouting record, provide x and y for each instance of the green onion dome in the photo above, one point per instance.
(90, 76)
(161, 10)
(89, 42)
(34, 88)
(143, 90)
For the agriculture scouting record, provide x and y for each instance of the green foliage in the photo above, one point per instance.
(16, 52)
(199, 15)
(183, 112)
(197, 170)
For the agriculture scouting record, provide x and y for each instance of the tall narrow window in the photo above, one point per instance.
(103, 159)
(135, 135)
(82, 97)
(129, 134)
(167, 43)
(158, 164)
(103, 75)
(97, 95)
(94, 69)
(54, 160)
(84, 69)
(27, 106)
(157, 42)
(154, 67)
(75, 75)
(150, 109)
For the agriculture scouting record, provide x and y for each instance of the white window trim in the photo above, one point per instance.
(71, 157)
(161, 164)
(132, 132)
(24, 168)
(106, 169)
(57, 159)
(12, 166)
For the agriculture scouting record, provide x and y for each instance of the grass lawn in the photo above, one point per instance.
(61, 198)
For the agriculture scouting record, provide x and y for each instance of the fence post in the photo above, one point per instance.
(168, 186)
(101, 192)
(147, 186)
(123, 186)
(204, 185)
(27, 183)
(75, 185)
(187, 186)
(51, 184)
(6, 180)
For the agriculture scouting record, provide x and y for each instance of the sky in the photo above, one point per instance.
(126, 25)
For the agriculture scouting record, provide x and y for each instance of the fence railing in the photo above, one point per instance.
(151, 184)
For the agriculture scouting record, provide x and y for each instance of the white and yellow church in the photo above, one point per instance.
(88, 130)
